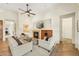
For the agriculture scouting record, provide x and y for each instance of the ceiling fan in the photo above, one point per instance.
(28, 11)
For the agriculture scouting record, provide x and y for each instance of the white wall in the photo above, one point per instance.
(7, 14)
(23, 19)
(76, 33)
(67, 28)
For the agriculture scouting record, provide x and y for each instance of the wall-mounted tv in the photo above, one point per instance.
(40, 25)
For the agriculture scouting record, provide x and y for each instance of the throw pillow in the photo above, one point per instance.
(17, 40)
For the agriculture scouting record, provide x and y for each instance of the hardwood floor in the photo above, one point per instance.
(66, 48)
(4, 50)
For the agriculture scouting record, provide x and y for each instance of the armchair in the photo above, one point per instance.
(48, 45)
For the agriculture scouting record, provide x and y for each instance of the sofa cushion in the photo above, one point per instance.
(17, 40)
(12, 42)
(27, 38)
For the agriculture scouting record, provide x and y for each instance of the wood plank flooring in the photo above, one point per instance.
(4, 49)
(65, 48)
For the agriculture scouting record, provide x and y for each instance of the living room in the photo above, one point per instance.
(42, 27)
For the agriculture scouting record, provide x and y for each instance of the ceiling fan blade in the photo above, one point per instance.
(32, 13)
(27, 11)
(22, 10)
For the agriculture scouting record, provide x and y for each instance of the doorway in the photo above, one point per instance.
(9, 28)
(67, 28)
(1, 30)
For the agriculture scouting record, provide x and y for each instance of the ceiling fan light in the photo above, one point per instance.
(27, 11)
(27, 5)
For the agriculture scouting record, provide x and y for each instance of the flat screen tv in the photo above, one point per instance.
(40, 25)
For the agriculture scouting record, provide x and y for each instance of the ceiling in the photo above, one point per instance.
(34, 7)
(41, 7)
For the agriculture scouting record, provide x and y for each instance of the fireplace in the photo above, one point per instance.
(40, 34)
(36, 35)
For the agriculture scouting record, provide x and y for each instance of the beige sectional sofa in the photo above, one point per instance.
(19, 50)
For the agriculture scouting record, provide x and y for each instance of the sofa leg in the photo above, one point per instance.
(48, 51)
(38, 46)
(31, 50)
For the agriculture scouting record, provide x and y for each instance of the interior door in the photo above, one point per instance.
(1, 30)
(67, 28)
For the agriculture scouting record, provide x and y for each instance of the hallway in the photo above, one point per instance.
(65, 48)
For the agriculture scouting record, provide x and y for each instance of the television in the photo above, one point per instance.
(40, 25)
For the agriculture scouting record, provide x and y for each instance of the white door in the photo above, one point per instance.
(67, 28)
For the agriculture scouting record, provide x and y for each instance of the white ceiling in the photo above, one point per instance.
(15, 6)
(41, 7)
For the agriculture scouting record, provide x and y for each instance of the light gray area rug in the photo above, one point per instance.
(38, 51)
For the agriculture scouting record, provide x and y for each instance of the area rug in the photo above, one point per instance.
(38, 51)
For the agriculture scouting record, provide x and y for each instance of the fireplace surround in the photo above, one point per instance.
(40, 34)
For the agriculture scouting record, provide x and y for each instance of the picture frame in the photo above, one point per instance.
(25, 28)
